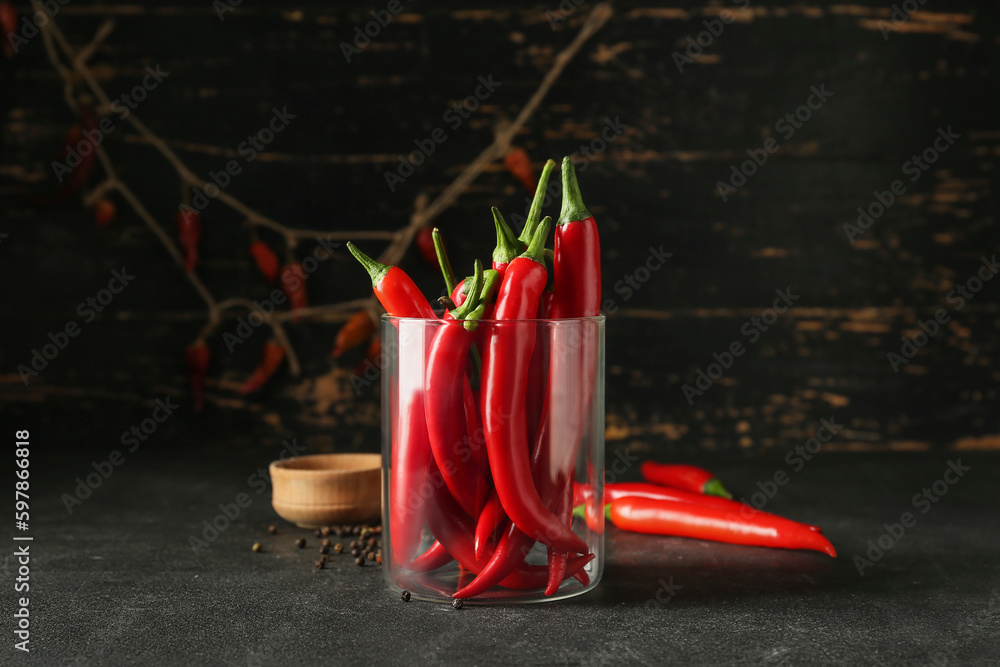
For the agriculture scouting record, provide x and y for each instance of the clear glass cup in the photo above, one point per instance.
(532, 393)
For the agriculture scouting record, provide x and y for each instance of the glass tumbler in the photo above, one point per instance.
(491, 437)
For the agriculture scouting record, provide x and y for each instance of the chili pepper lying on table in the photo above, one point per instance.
(189, 234)
(584, 502)
(665, 517)
(356, 331)
(411, 453)
(293, 284)
(266, 260)
(689, 478)
(274, 354)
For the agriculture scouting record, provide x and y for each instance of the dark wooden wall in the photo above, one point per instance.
(655, 185)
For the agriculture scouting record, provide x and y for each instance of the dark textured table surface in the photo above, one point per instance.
(116, 582)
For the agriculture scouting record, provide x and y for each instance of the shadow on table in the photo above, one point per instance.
(655, 571)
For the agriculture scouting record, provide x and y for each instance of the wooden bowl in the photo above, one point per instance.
(323, 489)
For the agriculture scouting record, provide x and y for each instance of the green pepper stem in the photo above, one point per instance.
(443, 261)
(536, 249)
(508, 246)
(471, 303)
(535, 212)
(714, 487)
(572, 203)
(375, 270)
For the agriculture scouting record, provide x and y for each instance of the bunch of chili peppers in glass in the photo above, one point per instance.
(493, 407)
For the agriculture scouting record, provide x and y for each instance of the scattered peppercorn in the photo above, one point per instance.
(405, 597)
(325, 542)
(356, 530)
(355, 552)
(272, 529)
(338, 548)
(359, 561)
(320, 564)
(301, 543)
(372, 541)
(371, 555)
(457, 604)
(257, 546)
(317, 533)
(324, 558)
(324, 531)
(324, 550)
(355, 545)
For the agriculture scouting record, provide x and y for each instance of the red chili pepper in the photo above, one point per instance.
(266, 260)
(519, 164)
(577, 260)
(8, 27)
(444, 401)
(458, 294)
(293, 283)
(491, 517)
(104, 212)
(508, 247)
(274, 354)
(584, 494)
(689, 478)
(454, 530)
(395, 290)
(505, 367)
(78, 137)
(357, 330)
(196, 359)
(425, 244)
(576, 293)
(189, 233)
(665, 517)
(436, 556)
(558, 560)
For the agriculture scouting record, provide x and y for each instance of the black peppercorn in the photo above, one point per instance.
(301, 543)
(325, 542)
(324, 550)
(324, 531)
(317, 533)
(356, 530)
(272, 529)
(359, 561)
(372, 542)
(355, 552)
(338, 548)
(457, 604)
(405, 597)
(320, 564)
(355, 545)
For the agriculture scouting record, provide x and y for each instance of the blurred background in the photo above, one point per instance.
(725, 149)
